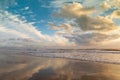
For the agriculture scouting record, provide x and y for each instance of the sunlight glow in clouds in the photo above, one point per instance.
(12, 27)
(84, 23)
(96, 30)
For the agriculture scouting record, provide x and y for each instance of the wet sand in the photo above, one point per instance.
(25, 67)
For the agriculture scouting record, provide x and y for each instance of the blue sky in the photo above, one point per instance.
(40, 12)
(34, 12)
(61, 22)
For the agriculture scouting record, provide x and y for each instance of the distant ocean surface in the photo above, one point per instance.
(99, 55)
(107, 56)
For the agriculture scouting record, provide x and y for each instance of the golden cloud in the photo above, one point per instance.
(74, 10)
(65, 26)
(115, 14)
(110, 4)
(93, 30)
(105, 6)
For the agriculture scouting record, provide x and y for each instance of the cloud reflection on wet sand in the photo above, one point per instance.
(14, 67)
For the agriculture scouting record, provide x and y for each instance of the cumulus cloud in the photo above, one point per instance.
(83, 19)
(114, 3)
(115, 14)
(87, 26)
(74, 10)
(107, 4)
(87, 23)
(65, 26)
(94, 30)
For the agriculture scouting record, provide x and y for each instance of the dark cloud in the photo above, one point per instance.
(89, 38)
(87, 23)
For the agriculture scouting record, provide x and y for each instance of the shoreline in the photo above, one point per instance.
(66, 58)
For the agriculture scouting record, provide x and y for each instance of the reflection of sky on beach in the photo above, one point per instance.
(14, 67)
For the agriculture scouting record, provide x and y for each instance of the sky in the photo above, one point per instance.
(84, 23)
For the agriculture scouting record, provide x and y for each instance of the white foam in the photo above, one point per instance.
(89, 55)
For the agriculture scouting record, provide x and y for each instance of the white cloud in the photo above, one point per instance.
(26, 8)
(60, 3)
(9, 33)
(11, 22)
(13, 27)
(65, 27)
(91, 3)
(87, 3)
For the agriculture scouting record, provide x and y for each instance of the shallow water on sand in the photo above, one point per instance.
(24, 67)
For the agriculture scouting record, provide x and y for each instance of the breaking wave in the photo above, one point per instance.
(107, 56)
